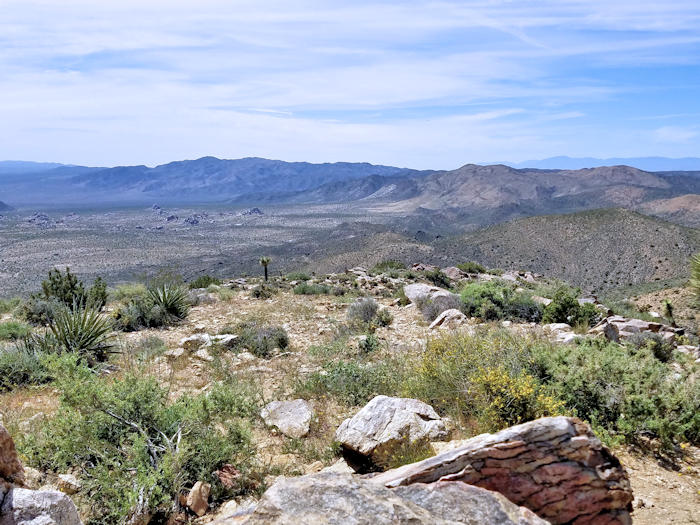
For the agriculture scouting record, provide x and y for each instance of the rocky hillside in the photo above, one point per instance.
(322, 399)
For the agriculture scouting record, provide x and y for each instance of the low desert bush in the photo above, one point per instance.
(9, 305)
(203, 281)
(137, 451)
(482, 380)
(22, 365)
(261, 339)
(163, 305)
(298, 276)
(565, 308)
(387, 266)
(438, 278)
(471, 267)
(129, 291)
(494, 300)
(368, 344)
(363, 310)
(350, 382)
(383, 317)
(305, 288)
(13, 330)
(432, 308)
(263, 291)
(626, 393)
(654, 343)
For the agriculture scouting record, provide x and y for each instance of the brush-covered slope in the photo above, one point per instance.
(595, 249)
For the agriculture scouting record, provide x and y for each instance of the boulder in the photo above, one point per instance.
(416, 290)
(198, 498)
(617, 328)
(451, 318)
(37, 507)
(195, 341)
(554, 466)
(454, 273)
(383, 426)
(10, 467)
(225, 340)
(341, 498)
(68, 484)
(541, 300)
(292, 418)
(560, 332)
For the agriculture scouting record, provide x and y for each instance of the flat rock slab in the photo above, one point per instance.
(554, 466)
(342, 499)
(292, 418)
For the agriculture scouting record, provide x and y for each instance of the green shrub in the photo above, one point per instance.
(22, 365)
(127, 292)
(494, 300)
(263, 291)
(139, 313)
(96, 296)
(363, 310)
(432, 308)
(13, 330)
(368, 344)
(351, 383)
(482, 380)
(629, 309)
(203, 281)
(625, 393)
(136, 450)
(83, 331)
(69, 290)
(471, 267)
(653, 343)
(565, 308)
(384, 317)
(261, 339)
(438, 278)
(388, 265)
(38, 310)
(311, 289)
(298, 276)
(9, 305)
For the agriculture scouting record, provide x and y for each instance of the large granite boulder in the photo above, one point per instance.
(37, 507)
(554, 466)
(451, 318)
(424, 291)
(331, 498)
(383, 426)
(617, 328)
(292, 418)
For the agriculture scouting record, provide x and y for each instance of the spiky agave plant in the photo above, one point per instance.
(82, 330)
(172, 299)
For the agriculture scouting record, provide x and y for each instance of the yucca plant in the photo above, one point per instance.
(172, 299)
(264, 262)
(695, 277)
(84, 331)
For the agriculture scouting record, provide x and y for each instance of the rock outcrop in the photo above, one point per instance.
(617, 328)
(341, 498)
(384, 425)
(292, 418)
(554, 466)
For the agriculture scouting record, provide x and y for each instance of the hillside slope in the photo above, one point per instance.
(595, 249)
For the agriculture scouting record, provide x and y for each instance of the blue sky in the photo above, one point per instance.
(411, 83)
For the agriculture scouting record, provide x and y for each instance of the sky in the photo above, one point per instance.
(410, 83)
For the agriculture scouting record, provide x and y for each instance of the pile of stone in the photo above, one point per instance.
(20, 505)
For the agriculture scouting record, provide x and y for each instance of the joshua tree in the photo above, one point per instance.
(668, 311)
(264, 261)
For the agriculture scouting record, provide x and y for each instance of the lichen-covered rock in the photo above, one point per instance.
(554, 466)
(384, 425)
(417, 290)
(37, 507)
(331, 498)
(292, 418)
(10, 467)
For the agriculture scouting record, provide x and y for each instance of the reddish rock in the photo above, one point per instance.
(555, 467)
(10, 467)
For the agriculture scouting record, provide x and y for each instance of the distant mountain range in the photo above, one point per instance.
(642, 163)
(472, 195)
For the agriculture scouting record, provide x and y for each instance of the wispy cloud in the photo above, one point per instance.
(419, 83)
